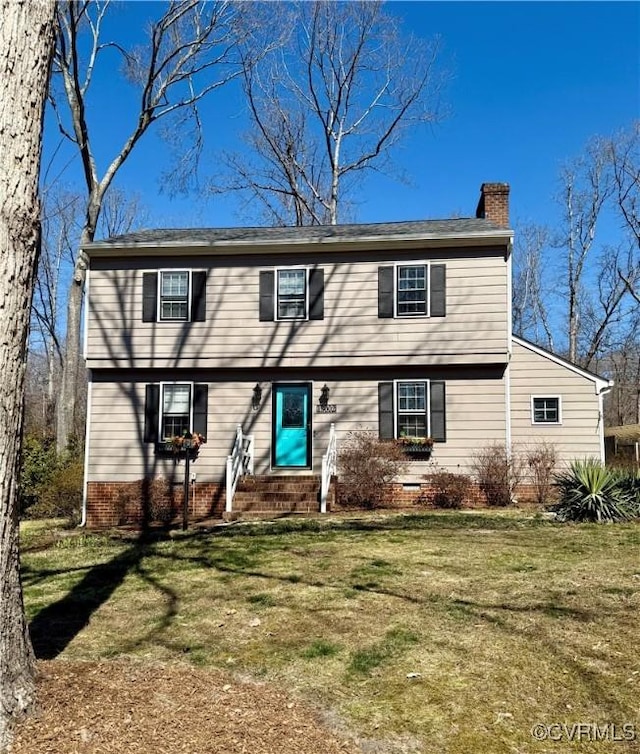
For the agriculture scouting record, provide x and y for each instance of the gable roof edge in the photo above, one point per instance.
(600, 382)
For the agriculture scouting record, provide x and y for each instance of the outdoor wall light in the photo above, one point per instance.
(324, 396)
(257, 397)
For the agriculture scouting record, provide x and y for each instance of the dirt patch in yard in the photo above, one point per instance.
(129, 707)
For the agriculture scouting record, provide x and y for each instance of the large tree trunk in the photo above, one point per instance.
(26, 38)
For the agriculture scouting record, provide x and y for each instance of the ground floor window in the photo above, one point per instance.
(412, 408)
(412, 419)
(176, 410)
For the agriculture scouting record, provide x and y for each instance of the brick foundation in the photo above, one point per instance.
(117, 503)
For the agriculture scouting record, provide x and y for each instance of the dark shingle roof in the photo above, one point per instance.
(204, 236)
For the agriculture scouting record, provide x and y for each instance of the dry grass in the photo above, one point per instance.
(445, 632)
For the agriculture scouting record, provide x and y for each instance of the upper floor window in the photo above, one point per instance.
(174, 296)
(291, 293)
(545, 409)
(412, 296)
(417, 289)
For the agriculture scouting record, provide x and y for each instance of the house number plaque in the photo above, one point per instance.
(327, 408)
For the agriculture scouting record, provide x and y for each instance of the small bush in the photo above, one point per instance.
(498, 473)
(450, 490)
(366, 466)
(541, 460)
(591, 492)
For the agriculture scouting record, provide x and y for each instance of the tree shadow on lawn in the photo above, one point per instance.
(55, 626)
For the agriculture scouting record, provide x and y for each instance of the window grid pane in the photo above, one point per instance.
(411, 396)
(411, 416)
(412, 290)
(174, 295)
(292, 294)
(176, 410)
(546, 410)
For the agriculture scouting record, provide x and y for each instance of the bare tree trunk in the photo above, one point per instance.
(72, 364)
(26, 43)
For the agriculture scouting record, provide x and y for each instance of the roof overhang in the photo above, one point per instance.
(222, 247)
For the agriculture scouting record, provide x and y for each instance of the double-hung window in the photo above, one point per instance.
(412, 290)
(545, 409)
(172, 409)
(176, 410)
(292, 294)
(412, 408)
(174, 295)
(411, 413)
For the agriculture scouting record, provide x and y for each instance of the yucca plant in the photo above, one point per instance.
(591, 492)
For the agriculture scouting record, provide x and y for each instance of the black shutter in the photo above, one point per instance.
(438, 292)
(149, 296)
(316, 294)
(385, 410)
(438, 412)
(151, 413)
(385, 292)
(200, 406)
(198, 296)
(266, 296)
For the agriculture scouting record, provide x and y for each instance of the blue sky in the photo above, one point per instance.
(531, 83)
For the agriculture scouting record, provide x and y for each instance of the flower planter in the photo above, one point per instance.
(418, 451)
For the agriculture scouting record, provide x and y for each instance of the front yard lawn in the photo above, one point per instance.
(442, 632)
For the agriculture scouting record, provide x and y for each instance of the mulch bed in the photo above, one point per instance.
(131, 707)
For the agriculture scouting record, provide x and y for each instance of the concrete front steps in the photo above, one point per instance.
(270, 496)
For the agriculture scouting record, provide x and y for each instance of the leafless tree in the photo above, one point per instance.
(624, 153)
(530, 288)
(329, 105)
(191, 50)
(26, 43)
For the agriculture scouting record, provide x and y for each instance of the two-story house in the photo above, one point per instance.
(401, 328)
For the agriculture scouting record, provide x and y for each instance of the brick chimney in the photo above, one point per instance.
(494, 203)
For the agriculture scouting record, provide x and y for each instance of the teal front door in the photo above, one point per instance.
(291, 446)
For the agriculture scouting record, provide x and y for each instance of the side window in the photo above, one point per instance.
(412, 290)
(413, 408)
(291, 294)
(174, 296)
(546, 409)
(173, 408)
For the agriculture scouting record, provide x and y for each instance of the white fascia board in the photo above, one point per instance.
(600, 383)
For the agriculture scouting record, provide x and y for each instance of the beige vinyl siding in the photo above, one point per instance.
(473, 331)
(475, 415)
(578, 436)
